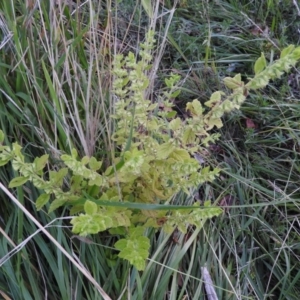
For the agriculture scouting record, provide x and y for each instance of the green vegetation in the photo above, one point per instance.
(148, 151)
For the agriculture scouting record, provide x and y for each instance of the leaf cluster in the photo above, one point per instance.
(156, 158)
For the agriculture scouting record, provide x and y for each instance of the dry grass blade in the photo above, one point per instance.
(7, 35)
(209, 286)
(297, 7)
(5, 297)
(55, 63)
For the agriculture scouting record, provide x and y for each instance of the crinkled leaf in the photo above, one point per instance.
(215, 98)
(195, 108)
(198, 216)
(136, 231)
(214, 122)
(233, 83)
(172, 80)
(84, 225)
(175, 124)
(180, 155)
(122, 218)
(177, 220)
(261, 81)
(135, 250)
(104, 221)
(188, 136)
(164, 150)
(90, 224)
(90, 207)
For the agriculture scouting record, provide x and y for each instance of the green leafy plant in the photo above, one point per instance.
(154, 158)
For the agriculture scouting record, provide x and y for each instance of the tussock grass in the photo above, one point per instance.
(55, 61)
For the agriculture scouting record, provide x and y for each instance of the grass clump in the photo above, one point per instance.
(57, 94)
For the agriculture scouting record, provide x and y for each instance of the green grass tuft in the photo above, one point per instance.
(55, 94)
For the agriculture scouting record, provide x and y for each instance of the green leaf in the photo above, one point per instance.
(164, 150)
(135, 250)
(215, 98)
(152, 107)
(76, 182)
(214, 122)
(18, 181)
(1, 136)
(135, 232)
(168, 228)
(90, 207)
(84, 225)
(110, 170)
(98, 180)
(195, 108)
(94, 164)
(238, 78)
(259, 82)
(296, 54)
(56, 178)
(56, 204)
(171, 114)
(175, 124)
(180, 155)
(122, 218)
(188, 136)
(3, 162)
(182, 227)
(40, 162)
(179, 219)
(198, 216)
(74, 153)
(90, 224)
(118, 231)
(76, 209)
(287, 51)
(175, 94)
(41, 201)
(233, 83)
(260, 64)
(85, 160)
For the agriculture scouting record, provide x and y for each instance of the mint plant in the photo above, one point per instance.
(153, 161)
